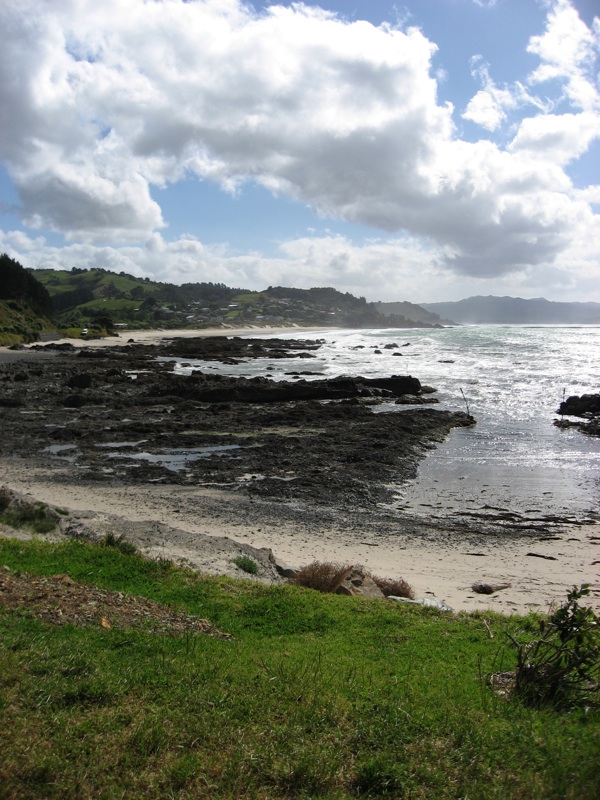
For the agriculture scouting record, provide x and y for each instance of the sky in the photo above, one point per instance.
(426, 150)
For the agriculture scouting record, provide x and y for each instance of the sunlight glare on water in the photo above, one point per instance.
(511, 377)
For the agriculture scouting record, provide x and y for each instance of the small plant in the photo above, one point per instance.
(562, 666)
(466, 403)
(119, 543)
(246, 564)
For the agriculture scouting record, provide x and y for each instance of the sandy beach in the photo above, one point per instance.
(148, 337)
(203, 527)
(155, 336)
(435, 565)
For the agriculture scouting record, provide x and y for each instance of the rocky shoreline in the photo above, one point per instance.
(205, 468)
(123, 415)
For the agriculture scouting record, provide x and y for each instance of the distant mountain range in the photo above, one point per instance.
(514, 310)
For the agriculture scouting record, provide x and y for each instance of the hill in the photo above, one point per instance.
(411, 311)
(25, 304)
(102, 300)
(514, 310)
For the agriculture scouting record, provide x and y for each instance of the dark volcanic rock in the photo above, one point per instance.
(81, 380)
(210, 388)
(587, 407)
(587, 404)
(219, 348)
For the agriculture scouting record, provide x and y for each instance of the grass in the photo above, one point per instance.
(19, 323)
(316, 696)
(246, 564)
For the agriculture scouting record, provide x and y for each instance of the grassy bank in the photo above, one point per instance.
(314, 697)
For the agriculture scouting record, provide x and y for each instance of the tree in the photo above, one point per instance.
(17, 283)
(103, 320)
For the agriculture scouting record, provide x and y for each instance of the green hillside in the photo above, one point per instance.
(100, 300)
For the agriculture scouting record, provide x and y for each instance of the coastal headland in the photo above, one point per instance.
(203, 467)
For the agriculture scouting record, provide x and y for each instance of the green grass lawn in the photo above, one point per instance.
(315, 696)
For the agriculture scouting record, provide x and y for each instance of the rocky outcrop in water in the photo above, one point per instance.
(586, 406)
(580, 406)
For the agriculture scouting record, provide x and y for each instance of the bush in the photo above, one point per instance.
(246, 564)
(561, 667)
(5, 499)
(394, 587)
(323, 576)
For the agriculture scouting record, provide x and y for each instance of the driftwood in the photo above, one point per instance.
(489, 588)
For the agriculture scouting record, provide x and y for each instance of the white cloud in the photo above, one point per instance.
(397, 267)
(568, 51)
(591, 195)
(100, 101)
(485, 110)
(386, 269)
(556, 139)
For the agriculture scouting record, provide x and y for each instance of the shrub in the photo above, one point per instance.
(394, 587)
(561, 667)
(246, 564)
(5, 499)
(324, 576)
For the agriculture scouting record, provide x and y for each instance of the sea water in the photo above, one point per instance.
(511, 379)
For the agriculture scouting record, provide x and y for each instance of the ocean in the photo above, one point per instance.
(514, 463)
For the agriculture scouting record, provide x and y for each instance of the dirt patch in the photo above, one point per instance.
(60, 600)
